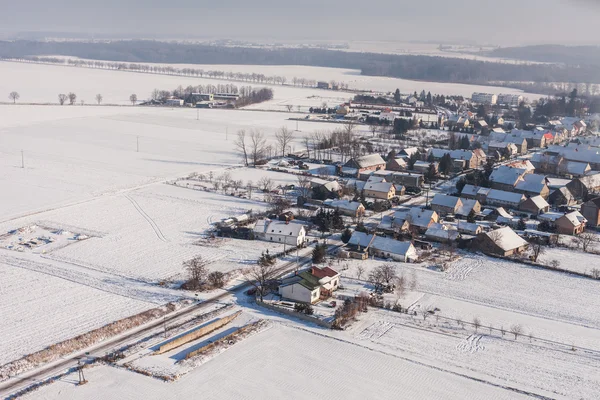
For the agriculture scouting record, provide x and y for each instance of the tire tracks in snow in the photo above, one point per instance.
(150, 221)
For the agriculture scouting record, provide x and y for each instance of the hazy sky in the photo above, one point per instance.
(499, 22)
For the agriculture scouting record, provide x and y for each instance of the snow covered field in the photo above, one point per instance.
(74, 153)
(39, 309)
(284, 362)
(43, 83)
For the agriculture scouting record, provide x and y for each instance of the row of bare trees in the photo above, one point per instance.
(200, 278)
(194, 72)
(252, 145)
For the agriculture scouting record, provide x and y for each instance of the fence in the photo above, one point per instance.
(294, 314)
(225, 339)
(180, 341)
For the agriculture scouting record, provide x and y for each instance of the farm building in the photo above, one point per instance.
(419, 220)
(444, 204)
(370, 162)
(442, 233)
(291, 233)
(562, 197)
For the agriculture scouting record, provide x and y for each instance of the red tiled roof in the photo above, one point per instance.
(323, 272)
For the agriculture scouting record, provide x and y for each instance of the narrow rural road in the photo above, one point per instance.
(17, 383)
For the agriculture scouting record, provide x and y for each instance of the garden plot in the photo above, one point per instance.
(176, 362)
(283, 362)
(527, 364)
(39, 239)
(39, 309)
(571, 259)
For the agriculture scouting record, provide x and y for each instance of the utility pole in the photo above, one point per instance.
(82, 380)
(22, 159)
(297, 130)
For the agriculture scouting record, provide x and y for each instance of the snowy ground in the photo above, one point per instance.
(571, 259)
(39, 309)
(43, 83)
(286, 362)
(74, 153)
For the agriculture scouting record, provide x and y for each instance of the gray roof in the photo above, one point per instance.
(382, 244)
(369, 160)
(444, 200)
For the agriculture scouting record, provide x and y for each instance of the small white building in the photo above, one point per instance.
(292, 233)
(384, 247)
(311, 285)
(174, 102)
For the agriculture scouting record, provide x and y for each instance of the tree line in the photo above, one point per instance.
(429, 68)
(191, 72)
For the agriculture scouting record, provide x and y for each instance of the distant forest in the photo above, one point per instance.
(569, 55)
(426, 68)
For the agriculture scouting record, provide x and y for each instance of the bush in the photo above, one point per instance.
(304, 308)
(216, 279)
(346, 235)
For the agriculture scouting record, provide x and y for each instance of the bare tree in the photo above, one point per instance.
(257, 146)
(237, 184)
(307, 140)
(14, 96)
(537, 250)
(304, 182)
(530, 337)
(516, 330)
(284, 137)
(265, 184)
(502, 330)
(98, 98)
(133, 99)
(72, 98)
(155, 94)
(289, 107)
(373, 128)
(62, 98)
(279, 204)
(585, 240)
(476, 323)
(555, 263)
(388, 273)
(260, 275)
(196, 269)
(360, 270)
(240, 145)
(401, 285)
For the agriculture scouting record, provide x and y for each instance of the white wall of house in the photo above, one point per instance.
(297, 292)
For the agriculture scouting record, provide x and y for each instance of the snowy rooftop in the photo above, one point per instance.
(380, 243)
(501, 195)
(539, 202)
(383, 187)
(506, 238)
(278, 227)
(342, 204)
(532, 183)
(507, 175)
(369, 160)
(444, 200)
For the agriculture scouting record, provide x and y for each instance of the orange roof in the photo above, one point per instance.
(322, 272)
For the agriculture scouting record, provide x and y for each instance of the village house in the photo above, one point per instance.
(467, 206)
(444, 204)
(591, 211)
(407, 179)
(572, 223)
(290, 233)
(469, 228)
(562, 197)
(500, 198)
(329, 188)
(585, 186)
(533, 185)
(380, 190)
(502, 148)
(422, 167)
(353, 209)
(396, 164)
(502, 242)
(419, 220)
(384, 247)
(461, 159)
(311, 285)
(442, 233)
(506, 178)
(370, 162)
(535, 205)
